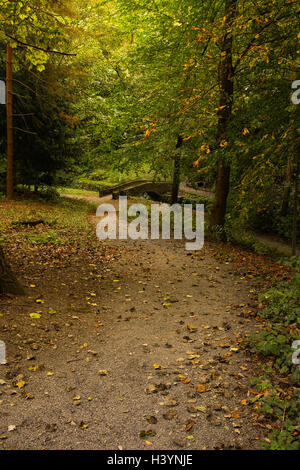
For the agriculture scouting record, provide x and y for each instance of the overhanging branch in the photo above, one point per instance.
(48, 51)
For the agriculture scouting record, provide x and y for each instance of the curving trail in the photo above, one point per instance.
(162, 325)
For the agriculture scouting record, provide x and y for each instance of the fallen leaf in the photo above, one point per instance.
(169, 401)
(21, 384)
(35, 315)
(192, 328)
(201, 388)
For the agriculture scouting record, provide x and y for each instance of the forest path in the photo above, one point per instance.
(272, 241)
(164, 328)
(276, 242)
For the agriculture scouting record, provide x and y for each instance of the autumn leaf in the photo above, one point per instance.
(202, 388)
(189, 426)
(35, 315)
(192, 328)
(21, 384)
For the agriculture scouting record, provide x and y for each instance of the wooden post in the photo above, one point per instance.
(9, 120)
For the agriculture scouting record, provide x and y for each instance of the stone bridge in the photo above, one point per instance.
(155, 190)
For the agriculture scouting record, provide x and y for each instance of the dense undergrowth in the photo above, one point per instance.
(278, 345)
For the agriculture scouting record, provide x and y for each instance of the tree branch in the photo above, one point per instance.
(48, 51)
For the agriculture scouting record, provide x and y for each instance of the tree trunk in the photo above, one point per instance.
(176, 173)
(9, 119)
(224, 111)
(222, 191)
(8, 282)
(296, 199)
(287, 188)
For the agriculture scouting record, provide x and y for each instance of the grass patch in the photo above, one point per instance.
(37, 237)
(63, 222)
(79, 192)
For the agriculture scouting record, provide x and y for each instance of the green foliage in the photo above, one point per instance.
(282, 316)
(283, 302)
(36, 25)
(49, 194)
(283, 324)
(283, 413)
(197, 199)
(145, 74)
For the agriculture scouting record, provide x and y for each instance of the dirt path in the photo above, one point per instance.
(162, 325)
(276, 242)
(272, 241)
(203, 192)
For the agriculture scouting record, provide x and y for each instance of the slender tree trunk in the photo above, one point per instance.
(287, 187)
(226, 82)
(176, 171)
(8, 282)
(296, 201)
(9, 118)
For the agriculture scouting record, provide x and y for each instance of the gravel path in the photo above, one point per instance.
(143, 351)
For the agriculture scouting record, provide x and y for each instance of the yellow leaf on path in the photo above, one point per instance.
(35, 315)
(191, 328)
(103, 372)
(21, 384)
